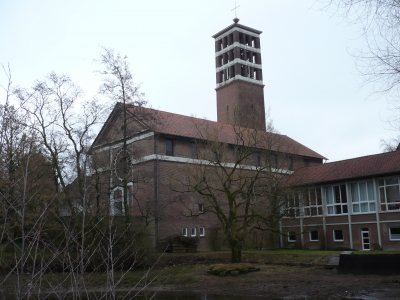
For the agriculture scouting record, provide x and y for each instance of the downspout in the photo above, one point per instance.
(156, 188)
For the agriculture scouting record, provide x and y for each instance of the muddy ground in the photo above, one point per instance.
(300, 276)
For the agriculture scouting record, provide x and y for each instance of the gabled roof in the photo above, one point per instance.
(195, 128)
(383, 164)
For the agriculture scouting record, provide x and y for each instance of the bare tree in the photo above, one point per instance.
(239, 178)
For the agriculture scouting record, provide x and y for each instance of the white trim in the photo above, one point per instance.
(238, 61)
(311, 240)
(200, 162)
(236, 29)
(129, 141)
(334, 238)
(259, 82)
(239, 45)
(204, 231)
(184, 231)
(390, 235)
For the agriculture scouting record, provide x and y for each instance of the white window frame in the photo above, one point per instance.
(290, 234)
(112, 202)
(385, 205)
(397, 237)
(184, 231)
(202, 231)
(292, 206)
(193, 232)
(311, 240)
(308, 207)
(357, 200)
(331, 207)
(334, 235)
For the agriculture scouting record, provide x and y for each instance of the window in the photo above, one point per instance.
(291, 236)
(202, 231)
(362, 197)
(193, 150)
(273, 161)
(201, 208)
(184, 231)
(256, 157)
(193, 231)
(290, 163)
(117, 201)
(394, 234)
(169, 149)
(314, 236)
(336, 199)
(338, 235)
(389, 193)
(312, 202)
(292, 206)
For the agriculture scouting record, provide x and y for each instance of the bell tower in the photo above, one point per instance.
(240, 89)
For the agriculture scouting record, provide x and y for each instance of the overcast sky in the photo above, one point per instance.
(311, 83)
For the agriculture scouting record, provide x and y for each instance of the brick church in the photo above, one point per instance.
(347, 204)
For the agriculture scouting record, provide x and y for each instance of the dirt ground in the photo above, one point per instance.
(288, 277)
(295, 281)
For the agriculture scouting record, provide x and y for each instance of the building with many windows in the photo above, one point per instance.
(354, 203)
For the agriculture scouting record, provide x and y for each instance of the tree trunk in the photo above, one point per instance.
(236, 253)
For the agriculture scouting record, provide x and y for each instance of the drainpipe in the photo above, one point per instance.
(156, 187)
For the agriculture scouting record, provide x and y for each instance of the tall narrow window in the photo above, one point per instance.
(117, 202)
(291, 236)
(201, 208)
(184, 231)
(273, 161)
(202, 231)
(169, 147)
(290, 163)
(193, 231)
(193, 150)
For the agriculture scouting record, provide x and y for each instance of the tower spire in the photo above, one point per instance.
(236, 18)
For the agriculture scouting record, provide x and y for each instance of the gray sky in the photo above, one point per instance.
(311, 84)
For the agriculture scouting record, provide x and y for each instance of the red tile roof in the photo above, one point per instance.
(191, 127)
(360, 167)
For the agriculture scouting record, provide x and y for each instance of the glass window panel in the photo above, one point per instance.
(345, 209)
(356, 208)
(330, 210)
(329, 195)
(383, 207)
(319, 196)
(371, 206)
(306, 199)
(393, 206)
(343, 193)
(338, 209)
(320, 210)
(364, 207)
(363, 191)
(312, 197)
(391, 181)
(381, 182)
(336, 190)
(307, 211)
(354, 192)
(370, 187)
(313, 211)
(392, 194)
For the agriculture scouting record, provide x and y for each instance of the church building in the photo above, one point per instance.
(349, 204)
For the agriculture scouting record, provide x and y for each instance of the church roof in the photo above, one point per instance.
(191, 127)
(383, 164)
(236, 25)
